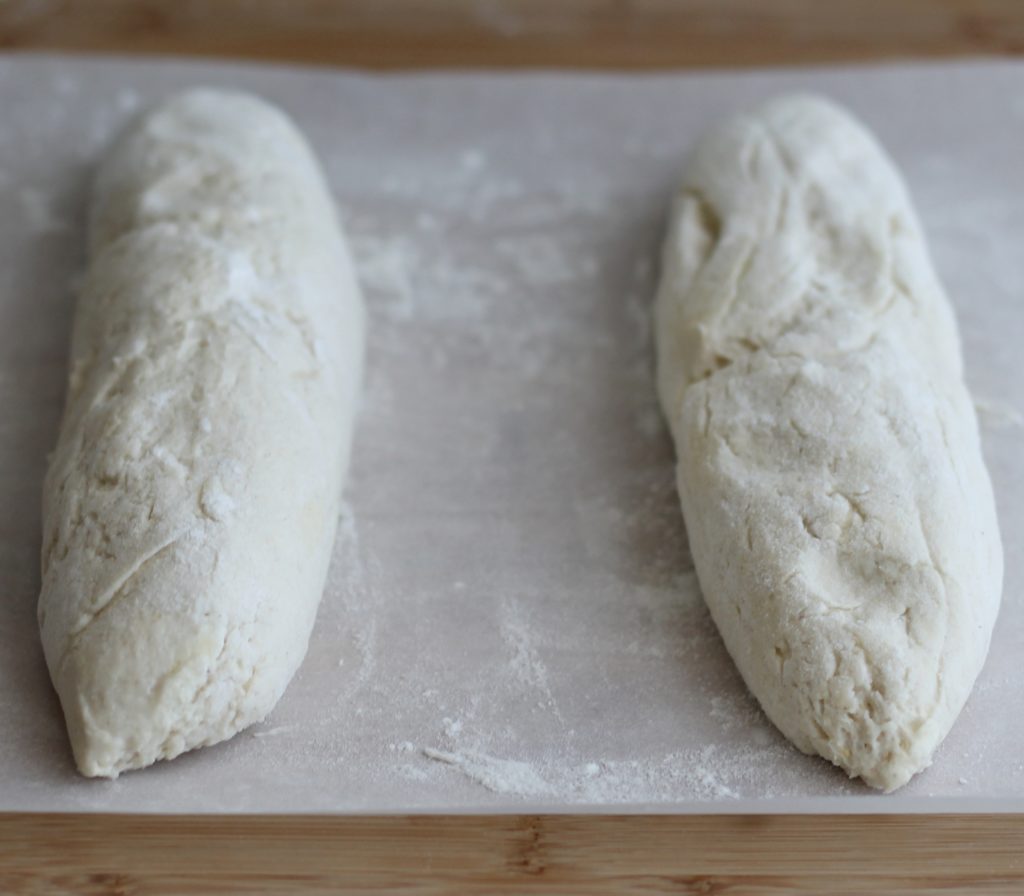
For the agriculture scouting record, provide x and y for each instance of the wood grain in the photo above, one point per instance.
(571, 854)
(636, 34)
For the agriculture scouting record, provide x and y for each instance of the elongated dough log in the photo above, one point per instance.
(191, 504)
(829, 467)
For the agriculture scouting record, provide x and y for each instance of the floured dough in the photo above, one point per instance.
(829, 466)
(191, 504)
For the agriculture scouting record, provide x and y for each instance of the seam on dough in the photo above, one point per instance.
(709, 222)
(725, 307)
(791, 170)
(116, 590)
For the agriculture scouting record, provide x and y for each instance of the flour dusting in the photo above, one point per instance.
(506, 776)
(997, 414)
(38, 211)
(276, 731)
(709, 773)
(525, 664)
(407, 280)
(351, 578)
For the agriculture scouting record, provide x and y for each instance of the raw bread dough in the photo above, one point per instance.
(829, 467)
(191, 504)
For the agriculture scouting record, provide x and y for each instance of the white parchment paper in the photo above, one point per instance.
(512, 620)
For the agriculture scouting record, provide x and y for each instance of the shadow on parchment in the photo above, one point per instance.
(648, 546)
(639, 457)
(44, 258)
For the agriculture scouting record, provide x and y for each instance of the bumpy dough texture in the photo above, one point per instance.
(191, 504)
(829, 467)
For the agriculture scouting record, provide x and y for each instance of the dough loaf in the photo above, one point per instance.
(829, 468)
(190, 506)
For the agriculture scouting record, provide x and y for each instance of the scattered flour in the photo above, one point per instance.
(506, 776)
(706, 773)
(472, 160)
(413, 772)
(275, 731)
(385, 267)
(347, 531)
(997, 414)
(722, 712)
(427, 222)
(351, 578)
(65, 86)
(407, 279)
(539, 260)
(524, 662)
(128, 100)
(38, 212)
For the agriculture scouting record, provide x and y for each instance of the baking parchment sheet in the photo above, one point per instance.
(512, 620)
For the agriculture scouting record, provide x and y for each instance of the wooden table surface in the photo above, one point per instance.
(595, 855)
(137, 855)
(503, 33)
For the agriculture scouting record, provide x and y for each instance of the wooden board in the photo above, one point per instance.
(504, 33)
(143, 855)
(81, 854)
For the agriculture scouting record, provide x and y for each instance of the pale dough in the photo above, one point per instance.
(829, 468)
(191, 504)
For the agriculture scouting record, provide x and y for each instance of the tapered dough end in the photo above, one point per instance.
(104, 746)
(143, 723)
(140, 684)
